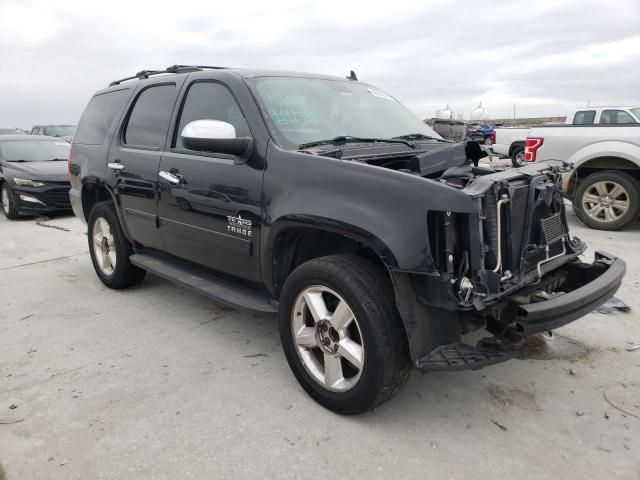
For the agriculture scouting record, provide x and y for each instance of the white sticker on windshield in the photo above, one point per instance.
(379, 94)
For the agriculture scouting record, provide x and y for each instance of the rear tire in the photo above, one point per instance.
(8, 205)
(374, 332)
(607, 200)
(517, 157)
(110, 250)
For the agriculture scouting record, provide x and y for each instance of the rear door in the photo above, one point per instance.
(135, 155)
(213, 216)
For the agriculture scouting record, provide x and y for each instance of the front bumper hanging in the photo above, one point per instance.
(586, 288)
(595, 283)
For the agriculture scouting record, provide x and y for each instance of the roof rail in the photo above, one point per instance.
(143, 74)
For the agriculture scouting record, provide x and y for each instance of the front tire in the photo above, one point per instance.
(341, 333)
(8, 205)
(110, 250)
(607, 200)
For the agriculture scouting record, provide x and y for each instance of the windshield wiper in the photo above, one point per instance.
(420, 136)
(342, 139)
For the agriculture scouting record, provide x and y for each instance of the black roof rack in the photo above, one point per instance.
(142, 74)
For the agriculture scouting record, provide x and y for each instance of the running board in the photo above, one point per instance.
(461, 356)
(206, 284)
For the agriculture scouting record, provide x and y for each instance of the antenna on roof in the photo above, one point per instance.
(352, 76)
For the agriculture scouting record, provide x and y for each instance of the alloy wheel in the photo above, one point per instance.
(104, 246)
(5, 200)
(520, 157)
(605, 201)
(327, 338)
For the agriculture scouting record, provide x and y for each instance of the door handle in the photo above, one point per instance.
(115, 166)
(174, 179)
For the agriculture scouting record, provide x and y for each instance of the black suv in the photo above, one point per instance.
(323, 199)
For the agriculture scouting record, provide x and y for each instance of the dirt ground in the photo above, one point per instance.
(158, 382)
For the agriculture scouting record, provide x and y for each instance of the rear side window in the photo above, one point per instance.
(99, 116)
(585, 117)
(149, 119)
(210, 101)
(616, 116)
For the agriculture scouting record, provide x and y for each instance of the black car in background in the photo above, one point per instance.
(33, 175)
(65, 132)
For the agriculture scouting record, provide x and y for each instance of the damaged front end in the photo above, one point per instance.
(511, 267)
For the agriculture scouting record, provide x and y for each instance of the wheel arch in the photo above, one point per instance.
(515, 145)
(295, 241)
(94, 192)
(596, 164)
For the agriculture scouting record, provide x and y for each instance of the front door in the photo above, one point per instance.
(212, 217)
(134, 159)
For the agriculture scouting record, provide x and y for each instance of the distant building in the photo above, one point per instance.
(525, 122)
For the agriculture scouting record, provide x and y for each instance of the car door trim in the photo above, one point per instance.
(217, 239)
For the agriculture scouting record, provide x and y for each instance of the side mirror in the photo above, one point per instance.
(213, 136)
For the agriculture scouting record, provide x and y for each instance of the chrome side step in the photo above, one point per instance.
(205, 283)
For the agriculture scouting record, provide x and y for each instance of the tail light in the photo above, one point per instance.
(493, 137)
(531, 146)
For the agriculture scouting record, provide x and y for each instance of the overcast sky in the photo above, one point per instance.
(543, 56)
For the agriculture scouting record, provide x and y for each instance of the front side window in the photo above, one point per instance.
(616, 116)
(302, 110)
(35, 151)
(149, 119)
(210, 101)
(584, 117)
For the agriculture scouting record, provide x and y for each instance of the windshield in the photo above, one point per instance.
(34, 151)
(636, 112)
(61, 131)
(304, 110)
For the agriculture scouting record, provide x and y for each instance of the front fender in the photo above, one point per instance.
(383, 208)
(604, 149)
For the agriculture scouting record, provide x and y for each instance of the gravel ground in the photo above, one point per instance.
(158, 382)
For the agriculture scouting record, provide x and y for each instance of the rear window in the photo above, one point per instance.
(585, 117)
(149, 119)
(99, 116)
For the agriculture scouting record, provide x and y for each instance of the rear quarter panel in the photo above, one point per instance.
(505, 137)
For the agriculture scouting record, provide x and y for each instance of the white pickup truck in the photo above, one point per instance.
(604, 184)
(511, 141)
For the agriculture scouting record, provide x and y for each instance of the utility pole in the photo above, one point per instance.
(514, 111)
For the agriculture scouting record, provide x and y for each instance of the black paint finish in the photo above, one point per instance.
(232, 217)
